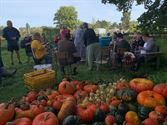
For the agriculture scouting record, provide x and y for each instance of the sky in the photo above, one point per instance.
(41, 12)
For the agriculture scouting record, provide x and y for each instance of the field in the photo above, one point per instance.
(14, 86)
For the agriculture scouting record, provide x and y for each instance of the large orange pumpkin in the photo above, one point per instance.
(6, 113)
(161, 89)
(150, 99)
(141, 84)
(66, 87)
(132, 117)
(46, 118)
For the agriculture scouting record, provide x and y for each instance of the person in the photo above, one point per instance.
(136, 42)
(79, 42)
(92, 46)
(68, 46)
(26, 43)
(56, 40)
(12, 35)
(64, 30)
(39, 50)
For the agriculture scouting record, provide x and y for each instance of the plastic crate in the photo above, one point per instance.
(40, 79)
(104, 41)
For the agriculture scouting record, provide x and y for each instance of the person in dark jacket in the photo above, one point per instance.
(92, 46)
(12, 35)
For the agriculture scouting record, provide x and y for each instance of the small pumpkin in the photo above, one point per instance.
(37, 109)
(150, 121)
(123, 107)
(161, 109)
(156, 115)
(110, 120)
(119, 118)
(104, 107)
(150, 99)
(46, 118)
(24, 113)
(90, 88)
(31, 96)
(141, 84)
(99, 115)
(122, 85)
(78, 84)
(161, 89)
(132, 117)
(112, 110)
(23, 121)
(143, 112)
(66, 87)
(57, 104)
(6, 113)
(115, 101)
(71, 120)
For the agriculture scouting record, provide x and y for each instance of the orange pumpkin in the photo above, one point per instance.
(161, 109)
(66, 87)
(31, 96)
(132, 117)
(37, 109)
(23, 121)
(156, 115)
(141, 84)
(161, 89)
(78, 84)
(6, 113)
(104, 107)
(150, 121)
(46, 118)
(115, 101)
(122, 85)
(57, 104)
(150, 99)
(90, 88)
(68, 108)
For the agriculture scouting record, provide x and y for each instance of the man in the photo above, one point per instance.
(39, 50)
(12, 35)
(68, 47)
(92, 46)
(79, 42)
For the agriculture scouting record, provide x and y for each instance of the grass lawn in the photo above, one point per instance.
(14, 86)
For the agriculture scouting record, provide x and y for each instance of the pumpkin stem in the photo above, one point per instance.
(46, 117)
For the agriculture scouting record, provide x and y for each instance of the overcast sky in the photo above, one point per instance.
(41, 12)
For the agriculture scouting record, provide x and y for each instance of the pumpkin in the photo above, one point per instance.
(23, 121)
(110, 120)
(126, 94)
(150, 99)
(112, 110)
(132, 117)
(71, 120)
(161, 109)
(24, 113)
(119, 118)
(150, 121)
(46, 118)
(31, 96)
(104, 107)
(53, 95)
(100, 115)
(68, 108)
(90, 88)
(143, 112)
(122, 85)
(6, 113)
(141, 84)
(66, 87)
(42, 97)
(79, 95)
(161, 89)
(123, 107)
(155, 115)
(115, 101)
(78, 84)
(57, 104)
(86, 113)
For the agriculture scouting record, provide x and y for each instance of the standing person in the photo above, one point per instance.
(64, 30)
(26, 43)
(12, 35)
(79, 42)
(92, 46)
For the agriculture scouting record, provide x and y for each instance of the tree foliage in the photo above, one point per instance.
(154, 19)
(125, 20)
(66, 16)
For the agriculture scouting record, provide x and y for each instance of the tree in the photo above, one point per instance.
(154, 19)
(102, 24)
(125, 21)
(66, 16)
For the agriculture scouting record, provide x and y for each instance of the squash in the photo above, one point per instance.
(141, 84)
(112, 110)
(37, 109)
(161, 89)
(104, 107)
(123, 107)
(150, 99)
(127, 94)
(6, 113)
(122, 85)
(132, 117)
(46, 118)
(66, 87)
(156, 115)
(68, 108)
(143, 112)
(133, 106)
(71, 120)
(99, 115)
(119, 118)
(24, 113)
(161, 109)
(90, 88)
(110, 120)
(98, 123)
(23, 121)
(150, 121)
(51, 109)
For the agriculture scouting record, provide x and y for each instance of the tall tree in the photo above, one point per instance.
(66, 16)
(125, 21)
(154, 19)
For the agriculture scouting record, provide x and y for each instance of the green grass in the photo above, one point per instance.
(14, 86)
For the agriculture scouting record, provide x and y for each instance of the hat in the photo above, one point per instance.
(120, 35)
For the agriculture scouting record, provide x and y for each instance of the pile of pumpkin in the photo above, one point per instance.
(84, 103)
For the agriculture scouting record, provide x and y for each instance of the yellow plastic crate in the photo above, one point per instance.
(40, 79)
